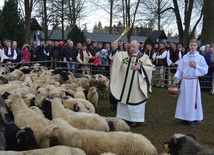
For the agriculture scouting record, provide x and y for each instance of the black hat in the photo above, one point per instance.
(141, 42)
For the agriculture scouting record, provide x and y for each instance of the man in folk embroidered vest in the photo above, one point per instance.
(83, 57)
(131, 74)
(9, 54)
(161, 62)
(173, 58)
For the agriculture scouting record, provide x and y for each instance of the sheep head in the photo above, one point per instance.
(51, 131)
(181, 144)
(93, 90)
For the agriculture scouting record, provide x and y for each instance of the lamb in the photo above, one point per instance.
(79, 93)
(80, 120)
(23, 116)
(181, 144)
(93, 97)
(56, 150)
(69, 102)
(96, 143)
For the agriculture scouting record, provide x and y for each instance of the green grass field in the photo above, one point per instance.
(160, 123)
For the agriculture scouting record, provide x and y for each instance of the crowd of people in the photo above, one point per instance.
(161, 54)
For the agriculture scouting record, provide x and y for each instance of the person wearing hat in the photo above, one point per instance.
(9, 53)
(26, 55)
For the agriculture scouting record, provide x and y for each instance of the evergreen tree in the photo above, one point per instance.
(11, 23)
(149, 40)
(76, 35)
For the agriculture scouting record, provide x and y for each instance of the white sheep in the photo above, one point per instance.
(8, 87)
(96, 143)
(23, 116)
(37, 110)
(56, 150)
(117, 124)
(93, 96)
(80, 120)
(80, 93)
(82, 82)
(69, 102)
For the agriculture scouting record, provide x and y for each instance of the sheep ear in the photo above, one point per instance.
(166, 145)
(24, 96)
(63, 92)
(52, 128)
(191, 136)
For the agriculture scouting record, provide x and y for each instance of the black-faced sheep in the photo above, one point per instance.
(18, 139)
(96, 143)
(23, 116)
(56, 150)
(181, 144)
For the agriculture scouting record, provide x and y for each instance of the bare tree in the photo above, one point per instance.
(184, 25)
(131, 10)
(159, 10)
(108, 6)
(75, 8)
(28, 7)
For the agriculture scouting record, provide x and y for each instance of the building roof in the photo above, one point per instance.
(34, 24)
(158, 34)
(99, 37)
(55, 34)
(103, 37)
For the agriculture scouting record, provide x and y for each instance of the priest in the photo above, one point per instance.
(130, 85)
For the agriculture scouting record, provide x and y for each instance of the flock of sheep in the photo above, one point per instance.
(54, 112)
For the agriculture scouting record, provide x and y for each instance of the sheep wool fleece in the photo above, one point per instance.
(129, 87)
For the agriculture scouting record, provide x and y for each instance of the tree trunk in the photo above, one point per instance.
(28, 9)
(62, 19)
(45, 19)
(207, 35)
(159, 14)
(111, 16)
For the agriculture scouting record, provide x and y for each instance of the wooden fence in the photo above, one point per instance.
(205, 81)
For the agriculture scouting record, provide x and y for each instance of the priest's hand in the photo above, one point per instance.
(135, 67)
(174, 78)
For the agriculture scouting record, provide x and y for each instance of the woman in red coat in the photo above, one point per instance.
(26, 53)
